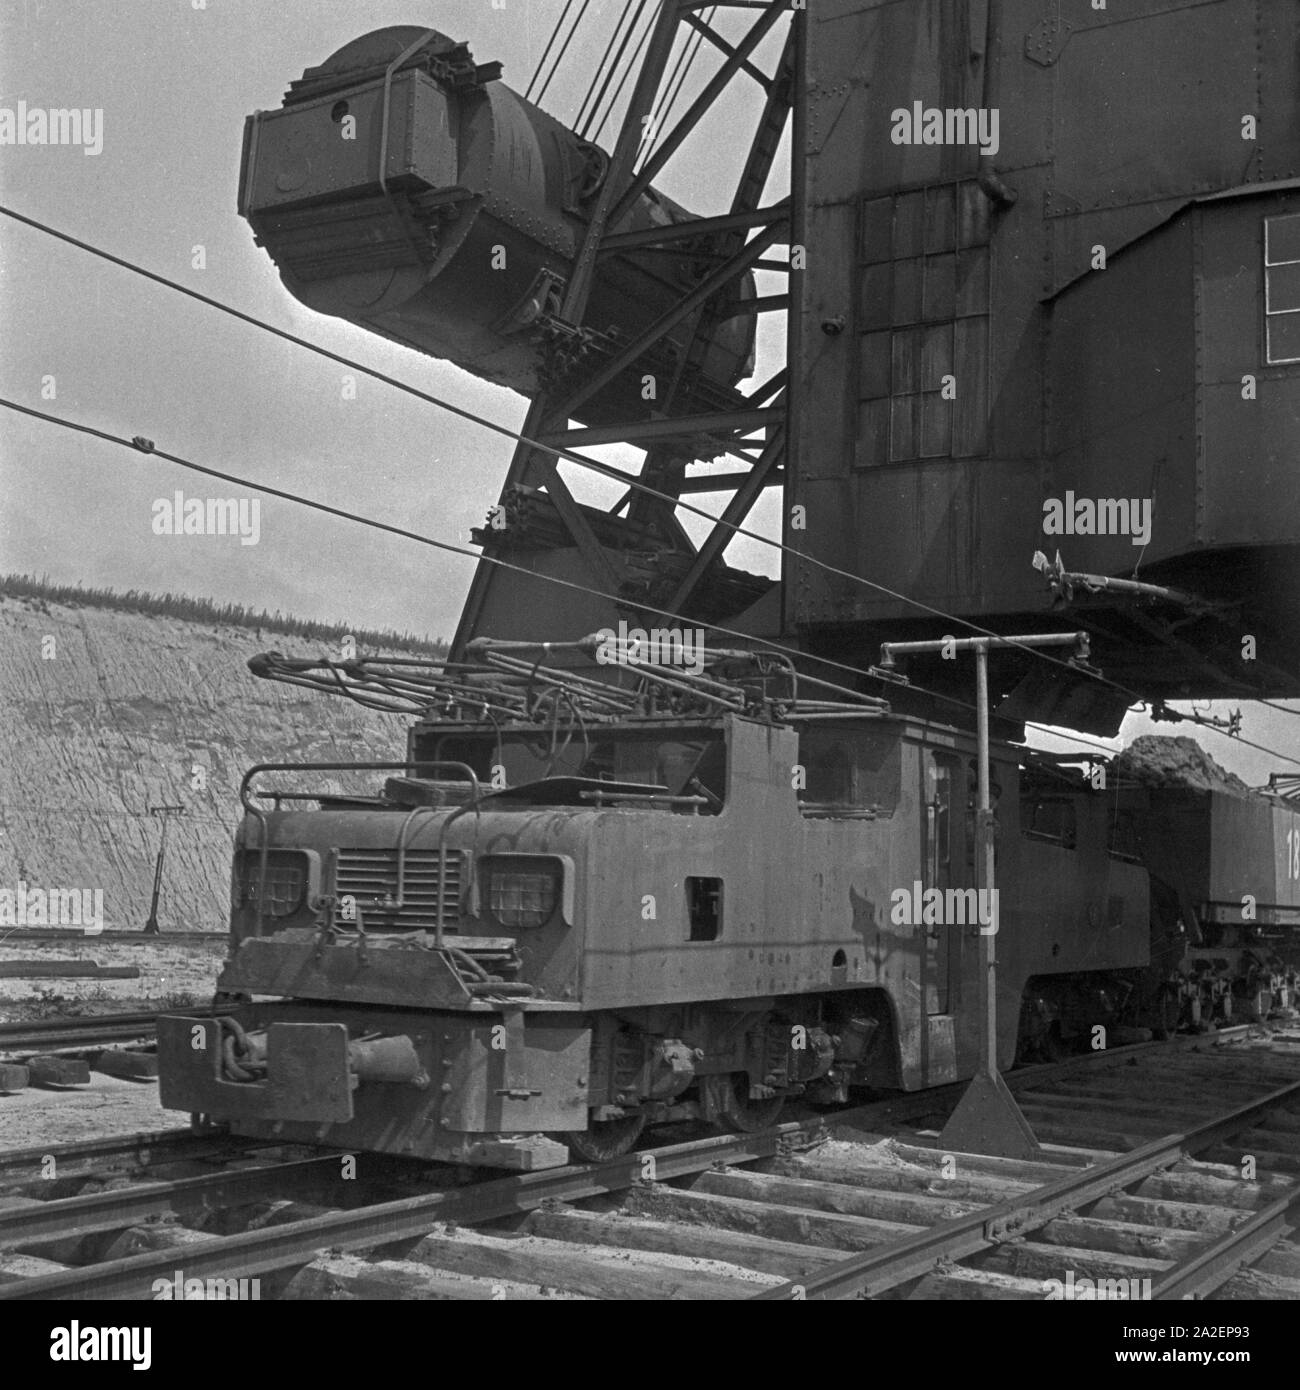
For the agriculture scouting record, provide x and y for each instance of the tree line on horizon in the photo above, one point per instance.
(188, 608)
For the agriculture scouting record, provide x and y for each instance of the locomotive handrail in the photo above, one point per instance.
(442, 856)
(818, 716)
(834, 810)
(670, 798)
(406, 765)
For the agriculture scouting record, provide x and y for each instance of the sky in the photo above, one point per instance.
(174, 80)
(174, 84)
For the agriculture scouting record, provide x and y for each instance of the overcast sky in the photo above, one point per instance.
(174, 84)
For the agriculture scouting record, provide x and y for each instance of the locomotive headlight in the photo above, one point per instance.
(281, 891)
(525, 890)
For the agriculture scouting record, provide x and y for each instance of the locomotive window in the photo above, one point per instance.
(1123, 842)
(685, 765)
(1282, 288)
(1050, 819)
(704, 908)
(849, 772)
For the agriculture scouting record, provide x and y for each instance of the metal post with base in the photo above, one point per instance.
(166, 813)
(987, 1119)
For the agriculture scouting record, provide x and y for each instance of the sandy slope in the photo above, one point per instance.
(114, 723)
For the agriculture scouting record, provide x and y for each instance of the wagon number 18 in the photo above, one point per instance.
(1293, 853)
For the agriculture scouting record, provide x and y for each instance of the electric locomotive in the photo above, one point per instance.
(483, 962)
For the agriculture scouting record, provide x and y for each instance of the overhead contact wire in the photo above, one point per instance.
(672, 88)
(343, 514)
(559, 57)
(614, 67)
(568, 455)
(622, 81)
(546, 52)
(596, 466)
(606, 67)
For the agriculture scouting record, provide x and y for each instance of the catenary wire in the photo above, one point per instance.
(344, 514)
(568, 455)
(628, 69)
(559, 57)
(672, 88)
(593, 465)
(452, 548)
(582, 460)
(589, 130)
(603, 68)
(449, 546)
(546, 52)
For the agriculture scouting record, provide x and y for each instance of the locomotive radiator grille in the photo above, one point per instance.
(370, 876)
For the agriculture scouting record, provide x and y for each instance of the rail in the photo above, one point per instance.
(872, 1273)
(296, 1243)
(261, 1251)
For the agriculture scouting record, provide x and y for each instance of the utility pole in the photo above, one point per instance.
(987, 1119)
(165, 813)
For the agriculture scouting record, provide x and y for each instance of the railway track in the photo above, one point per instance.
(18, 935)
(103, 1160)
(77, 1034)
(1156, 1227)
(858, 1204)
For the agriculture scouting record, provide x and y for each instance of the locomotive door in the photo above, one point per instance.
(943, 796)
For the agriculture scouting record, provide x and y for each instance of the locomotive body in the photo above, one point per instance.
(782, 939)
(1225, 888)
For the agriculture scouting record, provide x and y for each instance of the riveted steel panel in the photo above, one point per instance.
(1170, 81)
(306, 152)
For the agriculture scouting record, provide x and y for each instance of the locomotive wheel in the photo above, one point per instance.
(605, 1139)
(740, 1115)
